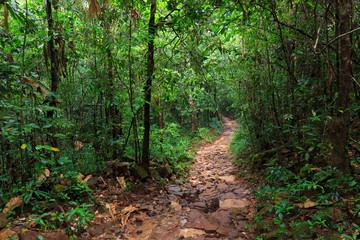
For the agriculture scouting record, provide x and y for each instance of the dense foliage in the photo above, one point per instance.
(84, 82)
(298, 102)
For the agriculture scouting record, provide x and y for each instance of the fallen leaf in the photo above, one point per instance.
(176, 206)
(316, 169)
(80, 177)
(191, 232)
(78, 145)
(47, 172)
(308, 204)
(129, 209)
(13, 203)
(121, 181)
(126, 214)
(23, 146)
(111, 208)
(87, 178)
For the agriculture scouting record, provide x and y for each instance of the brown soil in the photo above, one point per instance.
(212, 203)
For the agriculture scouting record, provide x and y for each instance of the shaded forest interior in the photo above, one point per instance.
(129, 88)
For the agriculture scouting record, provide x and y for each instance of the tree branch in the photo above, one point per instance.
(335, 39)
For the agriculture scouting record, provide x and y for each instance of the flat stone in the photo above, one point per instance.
(92, 182)
(229, 195)
(228, 231)
(222, 187)
(191, 232)
(234, 203)
(198, 205)
(228, 179)
(239, 191)
(223, 217)
(199, 220)
(176, 190)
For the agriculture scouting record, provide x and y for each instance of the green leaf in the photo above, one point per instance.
(60, 135)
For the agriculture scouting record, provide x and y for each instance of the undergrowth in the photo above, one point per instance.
(299, 195)
(55, 196)
(53, 201)
(175, 147)
(314, 203)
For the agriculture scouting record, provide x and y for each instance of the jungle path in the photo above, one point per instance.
(212, 203)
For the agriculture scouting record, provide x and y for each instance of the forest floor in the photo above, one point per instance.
(210, 203)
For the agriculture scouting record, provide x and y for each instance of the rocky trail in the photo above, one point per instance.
(211, 203)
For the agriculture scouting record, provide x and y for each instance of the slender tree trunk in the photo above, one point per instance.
(339, 127)
(54, 66)
(52, 54)
(147, 88)
(193, 114)
(134, 124)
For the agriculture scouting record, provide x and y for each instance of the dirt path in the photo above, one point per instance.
(212, 203)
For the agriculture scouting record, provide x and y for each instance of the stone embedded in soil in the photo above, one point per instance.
(228, 231)
(228, 179)
(191, 232)
(223, 217)
(240, 191)
(199, 205)
(222, 187)
(229, 195)
(199, 220)
(175, 190)
(234, 203)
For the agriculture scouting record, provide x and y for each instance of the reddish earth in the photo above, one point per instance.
(211, 203)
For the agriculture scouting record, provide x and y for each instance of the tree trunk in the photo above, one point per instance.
(147, 88)
(52, 54)
(339, 127)
(193, 114)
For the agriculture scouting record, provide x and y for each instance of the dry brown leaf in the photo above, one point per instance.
(316, 169)
(126, 214)
(41, 178)
(87, 178)
(78, 145)
(80, 177)
(121, 181)
(129, 209)
(47, 172)
(111, 208)
(308, 204)
(13, 203)
(176, 206)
